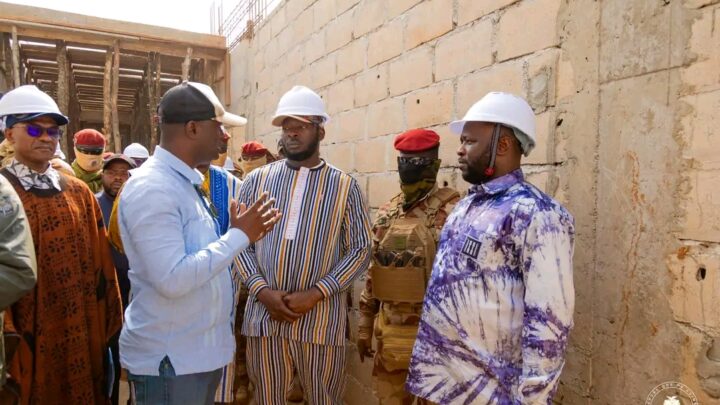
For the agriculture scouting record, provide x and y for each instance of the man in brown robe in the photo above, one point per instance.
(65, 323)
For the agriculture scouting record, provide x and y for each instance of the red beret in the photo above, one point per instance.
(89, 137)
(417, 140)
(254, 148)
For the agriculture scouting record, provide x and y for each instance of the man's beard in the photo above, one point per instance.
(305, 154)
(475, 171)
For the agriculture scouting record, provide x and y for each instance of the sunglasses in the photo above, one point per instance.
(36, 131)
(415, 160)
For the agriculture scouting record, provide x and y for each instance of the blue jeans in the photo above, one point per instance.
(170, 389)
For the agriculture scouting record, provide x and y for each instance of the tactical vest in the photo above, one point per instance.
(400, 271)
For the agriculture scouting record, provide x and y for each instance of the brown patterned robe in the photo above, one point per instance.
(67, 320)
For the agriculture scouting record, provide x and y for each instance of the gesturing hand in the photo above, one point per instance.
(303, 301)
(257, 220)
(273, 301)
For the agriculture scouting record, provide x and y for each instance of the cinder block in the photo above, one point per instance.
(351, 58)
(303, 26)
(294, 61)
(348, 126)
(315, 47)
(323, 12)
(539, 179)
(411, 71)
(700, 129)
(503, 77)
(339, 31)
(397, 7)
(323, 71)
(340, 97)
(371, 85)
(382, 188)
(430, 106)
(427, 21)
(277, 22)
(634, 38)
(387, 42)
(702, 208)
(471, 10)
(544, 151)
(695, 273)
(369, 15)
(340, 155)
(295, 7)
(538, 17)
(371, 156)
(704, 73)
(385, 117)
(342, 5)
(542, 76)
(452, 55)
(285, 39)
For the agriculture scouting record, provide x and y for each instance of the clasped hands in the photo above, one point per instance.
(287, 306)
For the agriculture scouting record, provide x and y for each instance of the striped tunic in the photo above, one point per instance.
(322, 240)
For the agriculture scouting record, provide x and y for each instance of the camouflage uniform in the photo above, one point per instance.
(389, 382)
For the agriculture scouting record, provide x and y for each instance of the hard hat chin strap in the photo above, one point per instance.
(493, 151)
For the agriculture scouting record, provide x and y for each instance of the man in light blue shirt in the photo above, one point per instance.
(178, 328)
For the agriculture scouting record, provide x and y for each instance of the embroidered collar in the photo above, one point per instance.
(29, 178)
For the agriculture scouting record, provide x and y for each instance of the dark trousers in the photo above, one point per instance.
(170, 389)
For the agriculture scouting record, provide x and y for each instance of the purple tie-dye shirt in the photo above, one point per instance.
(499, 305)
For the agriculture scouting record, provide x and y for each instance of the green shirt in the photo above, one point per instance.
(92, 179)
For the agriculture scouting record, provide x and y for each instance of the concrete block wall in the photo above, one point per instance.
(626, 95)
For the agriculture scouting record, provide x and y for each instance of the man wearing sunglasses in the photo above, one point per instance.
(68, 319)
(88, 164)
(410, 222)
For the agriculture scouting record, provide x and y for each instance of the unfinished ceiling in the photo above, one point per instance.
(105, 73)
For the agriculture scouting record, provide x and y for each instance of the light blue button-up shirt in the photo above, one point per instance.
(182, 292)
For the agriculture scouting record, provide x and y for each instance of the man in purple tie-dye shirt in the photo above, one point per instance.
(499, 305)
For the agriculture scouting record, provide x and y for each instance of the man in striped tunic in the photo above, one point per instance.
(295, 318)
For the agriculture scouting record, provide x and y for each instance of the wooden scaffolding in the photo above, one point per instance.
(105, 74)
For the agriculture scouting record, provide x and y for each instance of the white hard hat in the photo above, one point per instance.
(30, 101)
(136, 150)
(299, 101)
(503, 108)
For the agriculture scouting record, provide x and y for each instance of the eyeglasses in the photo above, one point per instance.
(415, 160)
(287, 129)
(36, 131)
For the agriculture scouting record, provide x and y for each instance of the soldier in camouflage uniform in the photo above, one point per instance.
(405, 235)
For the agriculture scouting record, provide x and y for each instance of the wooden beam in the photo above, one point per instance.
(63, 85)
(15, 57)
(115, 84)
(107, 95)
(186, 64)
(228, 87)
(108, 26)
(35, 32)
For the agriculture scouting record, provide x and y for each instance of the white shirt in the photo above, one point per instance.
(179, 270)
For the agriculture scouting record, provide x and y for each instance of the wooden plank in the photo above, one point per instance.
(63, 85)
(130, 43)
(107, 95)
(108, 26)
(114, 100)
(226, 81)
(186, 64)
(15, 57)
